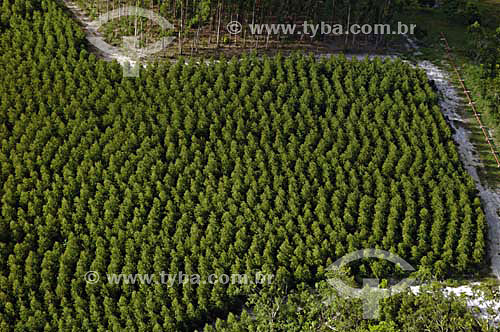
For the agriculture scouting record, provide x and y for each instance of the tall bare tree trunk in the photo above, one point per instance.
(348, 27)
(221, 4)
(333, 17)
(135, 25)
(244, 38)
(181, 27)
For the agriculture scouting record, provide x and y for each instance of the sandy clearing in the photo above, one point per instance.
(475, 298)
(90, 28)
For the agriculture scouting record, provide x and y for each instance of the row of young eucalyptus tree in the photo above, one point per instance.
(203, 22)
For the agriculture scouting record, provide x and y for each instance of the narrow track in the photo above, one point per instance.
(90, 27)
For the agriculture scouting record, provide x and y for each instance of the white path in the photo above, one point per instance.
(91, 29)
(490, 197)
(450, 102)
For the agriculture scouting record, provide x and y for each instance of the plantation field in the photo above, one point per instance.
(254, 165)
(274, 165)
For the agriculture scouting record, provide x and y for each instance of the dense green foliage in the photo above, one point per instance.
(274, 165)
(322, 310)
(484, 74)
